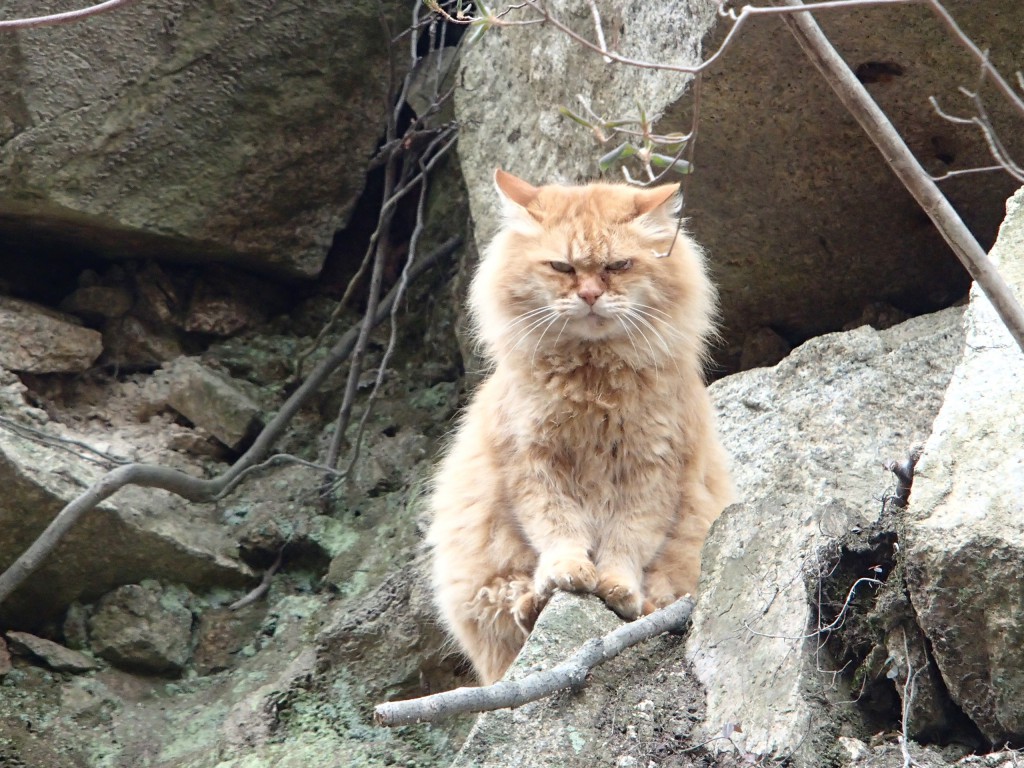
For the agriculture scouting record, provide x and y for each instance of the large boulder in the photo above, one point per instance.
(965, 550)
(136, 534)
(515, 79)
(805, 225)
(236, 132)
(808, 439)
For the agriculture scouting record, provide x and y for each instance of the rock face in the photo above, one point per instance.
(34, 339)
(143, 627)
(608, 723)
(808, 439)
(137, 534)
(188, 130)
(527, 65)
(822, 220)
(789, 253)
(965, 550)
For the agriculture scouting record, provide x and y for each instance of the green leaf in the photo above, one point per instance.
(621, 152)
(566, 112)
(676, 164)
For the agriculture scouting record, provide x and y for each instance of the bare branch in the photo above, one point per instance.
(262, 588)
(898, 156)
(989, 71)
(571, 673)
(63, 18)
(599, 29)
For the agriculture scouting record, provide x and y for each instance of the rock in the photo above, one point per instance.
(131, 344)
(965, 554)
(525, 65)
(236, 135)
(762, 347)
(34, 339)
(134, 535)
(786, 249)
(97, 302)
(225, 303)
(807, 439)
(787, 252)
(212, 401)
(142, 627)
(640, 706)
(5, 658)
(54, 655)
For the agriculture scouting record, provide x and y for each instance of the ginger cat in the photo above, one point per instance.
(589, 459)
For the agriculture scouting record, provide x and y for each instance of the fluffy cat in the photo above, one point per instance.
(588, 460)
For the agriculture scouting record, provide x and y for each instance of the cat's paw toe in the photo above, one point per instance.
(568, 575)
(626, 602)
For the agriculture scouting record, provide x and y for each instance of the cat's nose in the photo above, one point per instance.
(590, 290)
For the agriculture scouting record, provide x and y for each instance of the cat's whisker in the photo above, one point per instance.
(629, 335)
(667, 317)
(536, 346)
(641, 319)
(654, 355)
(674, 358)
(526, 316)
(524, 334)
(666, 326)
(567, 319)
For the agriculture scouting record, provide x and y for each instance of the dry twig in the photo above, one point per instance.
(63, 18)
(571, 673)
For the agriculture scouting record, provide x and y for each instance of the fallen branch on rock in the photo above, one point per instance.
(571, 673)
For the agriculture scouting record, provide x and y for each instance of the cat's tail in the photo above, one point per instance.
(492, 621)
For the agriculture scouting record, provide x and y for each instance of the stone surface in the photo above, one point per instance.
(143, 627)
(194, 132)
(640, 706)
(516, 66)
(212, 401)
(801, 234)
(136, 534)
(807, 438)
(965, 547)
(34, 339)
(54, 655)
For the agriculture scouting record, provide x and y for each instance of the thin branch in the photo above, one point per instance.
(263, 587)
(65, 17)
(898, 156)
(187, 486)
(980, 56)
(403, 283)
(571, 673)
(599, 29)
(746, 13)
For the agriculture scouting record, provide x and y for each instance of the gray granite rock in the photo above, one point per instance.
(808, 439)
(965, 547)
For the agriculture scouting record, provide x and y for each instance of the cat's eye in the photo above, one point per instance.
(562, 266)
(619, 266)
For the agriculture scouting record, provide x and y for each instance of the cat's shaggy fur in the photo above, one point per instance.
(588, 460)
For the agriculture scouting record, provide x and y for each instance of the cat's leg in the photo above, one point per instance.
(620, 561)
(675, 571)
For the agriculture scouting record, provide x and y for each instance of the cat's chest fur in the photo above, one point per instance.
(593, 422)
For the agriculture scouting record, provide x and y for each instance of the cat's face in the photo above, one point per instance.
(586, 264)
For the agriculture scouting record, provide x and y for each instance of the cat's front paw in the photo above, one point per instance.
(567, 572)
(621, 596)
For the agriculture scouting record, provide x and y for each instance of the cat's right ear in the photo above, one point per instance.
(516, 194)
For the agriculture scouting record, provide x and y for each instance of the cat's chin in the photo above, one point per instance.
(594, 327)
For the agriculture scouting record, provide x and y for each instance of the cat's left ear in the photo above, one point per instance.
(664, 199)
(516, 194)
